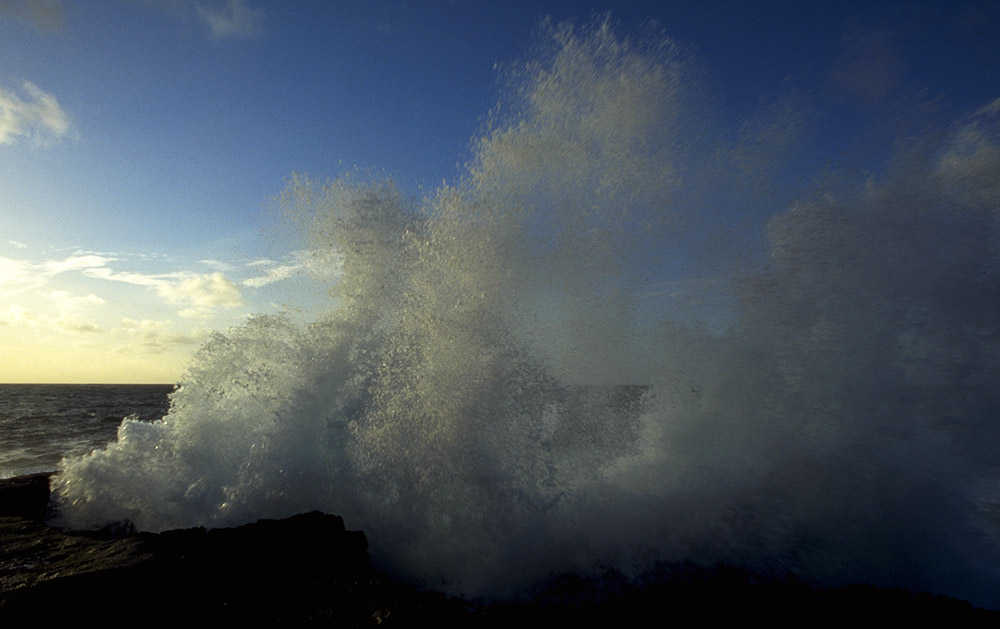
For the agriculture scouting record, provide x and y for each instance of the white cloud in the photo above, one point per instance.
(271, 271)
(234, 18)
(200, 290)
(18, 315)
(970, 164)
(18, 276)
(140, 279)
(198, 295)
(156, 336)
(38, 117)
(71, 325)
(67, 320)
(203, 290)
(218, 265)
(272, 275)
(67, 301)
(19, 245)
(76, 262)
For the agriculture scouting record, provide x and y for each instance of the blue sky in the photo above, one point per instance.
(141, 142)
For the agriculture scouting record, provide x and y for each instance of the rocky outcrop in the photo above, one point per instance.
(273, 569)
(308, 569)
(25, 496)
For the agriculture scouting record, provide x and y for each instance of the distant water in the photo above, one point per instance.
(42, 423)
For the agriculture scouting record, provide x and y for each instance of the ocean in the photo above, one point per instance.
(40, 424)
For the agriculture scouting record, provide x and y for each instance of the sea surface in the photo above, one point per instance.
(42, 423)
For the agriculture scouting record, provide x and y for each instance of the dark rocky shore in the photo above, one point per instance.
(309, 569)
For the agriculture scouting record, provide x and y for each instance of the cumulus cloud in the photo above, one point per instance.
(67, 301)
(38, 116)
(204, 291)
(67, 319)
(71, 325)
(18, 276)
(155, 337)
(18, 315)
(232, 19)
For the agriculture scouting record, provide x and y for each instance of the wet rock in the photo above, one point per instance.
(310, 569)
(25, 496)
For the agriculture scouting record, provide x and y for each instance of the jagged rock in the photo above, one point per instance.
(273, 569)
(25, 496)
(309, 569)
(270, 569)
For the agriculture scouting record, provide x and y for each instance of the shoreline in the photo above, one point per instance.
(310, 568)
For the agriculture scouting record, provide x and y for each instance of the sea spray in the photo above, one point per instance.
(828, 409)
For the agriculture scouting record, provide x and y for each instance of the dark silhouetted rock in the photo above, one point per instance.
(25, 496)
(308, 569)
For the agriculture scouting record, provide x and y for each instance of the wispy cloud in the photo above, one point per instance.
(203, 292)
(19, 245)
(128, 277)
(19, 276)
(86, 262)
(989, 110)
(232, 19)
(269, 271)
(218, 265)
(38, 116)
(970, 164)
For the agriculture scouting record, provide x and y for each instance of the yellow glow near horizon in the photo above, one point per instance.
(45, 362)
(116, 318)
